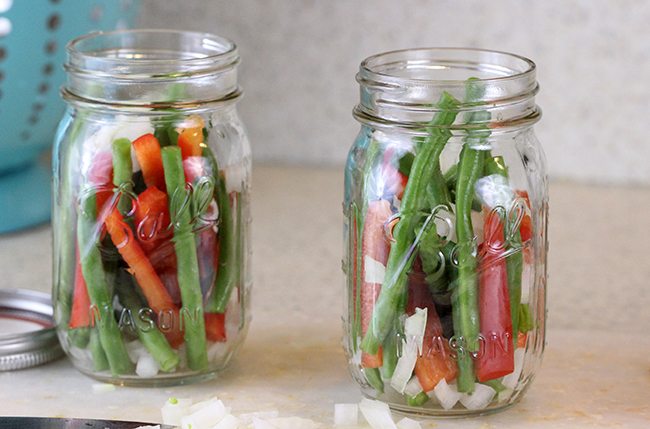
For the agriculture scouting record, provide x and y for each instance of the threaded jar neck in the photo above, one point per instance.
(402, 88)
(151, 68)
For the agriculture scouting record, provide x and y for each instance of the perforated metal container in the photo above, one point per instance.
(33, 35)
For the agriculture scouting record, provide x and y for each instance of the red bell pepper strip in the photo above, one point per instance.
(80, 314)
(100, 176)
(154, 235)
(496, 354)
(152, 287)
(436, 361)
(147, 152)
(190, 141)
(376, 246)
(215, 326)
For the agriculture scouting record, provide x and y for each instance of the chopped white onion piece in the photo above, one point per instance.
(405, 365)
(247, 418)
(377, 414)
(415, 325)
(148, 427)
(407, 423)
(446, 394)
(235, 177)
(511, 380)
(204, 415)
(527, 274)
(479, 399)
(103, 387)
(355, 359)
(504, 395)
(135, 350)
(262, 424)
(174, 409)
(374, 270)
(494, 190)
(292, 423)
(146, 366)
(346, 414)
(228, 422)
(413, 387)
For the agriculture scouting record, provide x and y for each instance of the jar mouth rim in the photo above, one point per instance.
(441, 58)
(115, 52)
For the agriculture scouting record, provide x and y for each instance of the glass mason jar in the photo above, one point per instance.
(446, 210)
(151, 208)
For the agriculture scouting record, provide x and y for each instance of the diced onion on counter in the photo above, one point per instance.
(479, 399)
(377, 414)
(228, 422)
(247, 418)
(407, 423)
(204, 415)
(375, 271)
(103, 387)
(174, 409)
(262, 424)
(346, 414)
(446, 394)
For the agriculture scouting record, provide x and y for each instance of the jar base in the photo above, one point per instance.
(455, 413)
(167, 380)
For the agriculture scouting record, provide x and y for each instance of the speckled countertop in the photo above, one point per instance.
(596, 370)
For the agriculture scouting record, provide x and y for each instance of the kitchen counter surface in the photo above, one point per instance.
(596, 370)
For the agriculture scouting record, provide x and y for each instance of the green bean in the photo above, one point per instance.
(98, 288)
(373, 375)
(152, 339)
(465, 297)
(192, 319)
(228, 269)
(122, 171)
(100, 363)
(425, 164)
(79, 337)
(417, 400)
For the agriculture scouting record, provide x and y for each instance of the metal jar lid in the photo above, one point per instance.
(35, 342)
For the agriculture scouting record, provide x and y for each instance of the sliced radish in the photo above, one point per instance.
(479, 399)
(346, 414)
(447, 395)
(377, 414)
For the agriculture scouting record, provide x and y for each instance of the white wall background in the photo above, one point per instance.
(300, 58)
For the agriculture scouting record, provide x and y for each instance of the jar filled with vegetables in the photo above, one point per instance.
(151, 208)
(446, 210)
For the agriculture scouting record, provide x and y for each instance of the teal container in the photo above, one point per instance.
(33, 35)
